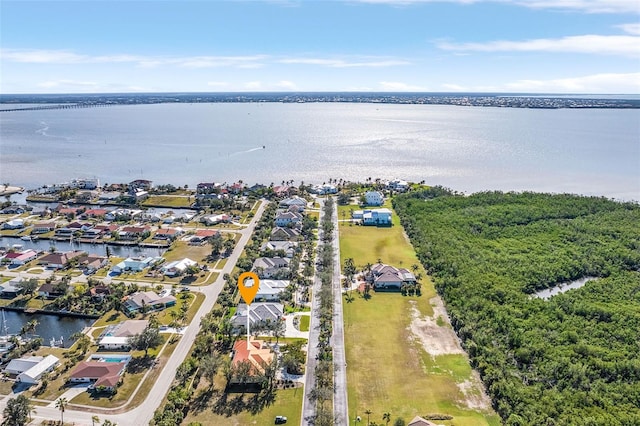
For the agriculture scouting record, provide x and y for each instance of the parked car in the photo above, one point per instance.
(280, 420)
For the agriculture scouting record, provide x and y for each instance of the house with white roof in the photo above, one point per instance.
(135, 264)
(295, 201)
(269, 290)
(288, 218)
(177, 267)
(373, 217)
(31, 369)
(13, 224)
(288, 247)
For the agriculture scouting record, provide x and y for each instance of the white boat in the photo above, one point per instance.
(17, 246)
(26, 238)
(6, 339)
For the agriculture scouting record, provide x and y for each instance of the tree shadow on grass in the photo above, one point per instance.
(228, 405)
(138, 365)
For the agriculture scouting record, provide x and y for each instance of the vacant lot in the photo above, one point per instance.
(402, 356)
(169, 201)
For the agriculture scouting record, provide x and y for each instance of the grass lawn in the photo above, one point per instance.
(169, 201)
(181, 249)
(408, 381)
(382, 353)
(304, 322)
(109, 318)
(288, 403)
(367, 244)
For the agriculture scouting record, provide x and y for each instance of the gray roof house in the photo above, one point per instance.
(259, 312)
(269, 290)
(267, 267)
(288, 247)
(388, 277)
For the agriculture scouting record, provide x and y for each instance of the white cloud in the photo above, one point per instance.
(597, 83)
(217, 84)
(396, 86)
(340, 63)
(253, 85)
(588, 6)
(286, 85)
(67, 83)
(450, 87)
(630, 28)
(623, 45)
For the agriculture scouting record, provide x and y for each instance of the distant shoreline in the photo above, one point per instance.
(501, 100)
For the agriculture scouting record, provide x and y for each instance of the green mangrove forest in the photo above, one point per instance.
(570, 359)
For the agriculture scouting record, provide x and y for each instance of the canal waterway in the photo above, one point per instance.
(99, 249)
(49, 326)
(561, 288)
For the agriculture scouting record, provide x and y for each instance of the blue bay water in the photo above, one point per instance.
(586, 151)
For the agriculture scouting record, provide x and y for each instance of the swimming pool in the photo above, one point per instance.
(110, 358)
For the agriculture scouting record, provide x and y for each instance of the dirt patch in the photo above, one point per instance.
(436, 340)
(475, 396)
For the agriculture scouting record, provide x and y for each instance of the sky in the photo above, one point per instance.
(511, 46)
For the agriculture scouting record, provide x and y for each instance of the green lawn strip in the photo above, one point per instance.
(109, 318)
(181, 249)
(304, 322)
(386, 369)
(168, 201)
(287, 402)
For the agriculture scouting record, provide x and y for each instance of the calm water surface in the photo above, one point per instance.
(595, 151)
(49, 326)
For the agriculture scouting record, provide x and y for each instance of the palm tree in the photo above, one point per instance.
(94, 420)
(386, 417)
(368, 413)
(61, 404)
(415, 267)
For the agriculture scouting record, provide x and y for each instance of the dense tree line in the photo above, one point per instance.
(571, 360)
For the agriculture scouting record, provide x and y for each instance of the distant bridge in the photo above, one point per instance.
(8, 108)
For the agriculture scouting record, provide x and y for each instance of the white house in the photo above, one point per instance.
(374, 198)
(13, 224)
(135, 264)
(31, 369)
(269, 290)
(177, 267)
(288, 247)
(295, 201)
(117, 337)
(398, 185)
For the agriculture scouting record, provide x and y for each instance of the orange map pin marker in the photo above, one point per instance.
(248, 293)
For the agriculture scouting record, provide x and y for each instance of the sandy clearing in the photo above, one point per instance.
(435, 340)
(442, 340)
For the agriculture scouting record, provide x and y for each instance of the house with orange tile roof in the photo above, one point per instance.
(98, 373)
(257, 353)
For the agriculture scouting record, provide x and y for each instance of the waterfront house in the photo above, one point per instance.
(21, 258)
(135, 264)
(148, 301)
(90, 263)
(95, 213)
(286, 248)
(13, 224)
(30, 369)
(385, 277)
(59, 260)
(13, 210)
(260, 312)
(99, 374)
(177, 267)
(140, 184)
(51, 290)
(374, 198)
(267, 267)
(167, 234)
(398, 185)
(104, 229)
(116, 337)
(285, 234)
(43, 227)
(257, 353)
(11, 289)
(122, 214)
(99, 292)
(133, 233)
(324, 189)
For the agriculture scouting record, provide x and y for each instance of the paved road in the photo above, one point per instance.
(340, 403)
(142, 414)
(308, 406)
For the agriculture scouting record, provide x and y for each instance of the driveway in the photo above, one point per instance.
(291, 330)
(72, 392)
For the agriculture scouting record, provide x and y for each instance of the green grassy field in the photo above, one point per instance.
(304, 322)
(388, 370)
(288, 403)
(169, 201)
